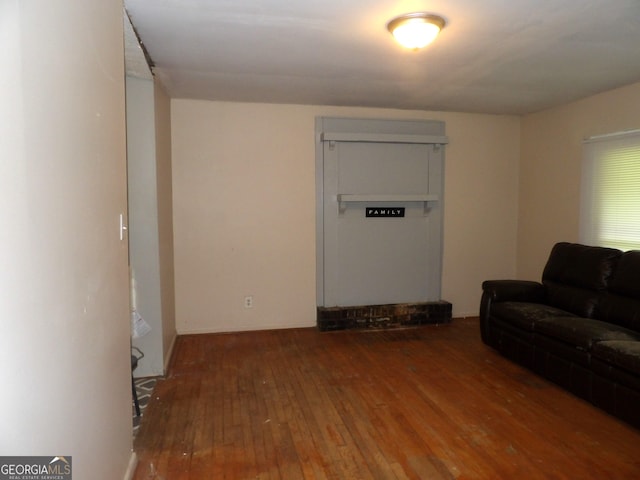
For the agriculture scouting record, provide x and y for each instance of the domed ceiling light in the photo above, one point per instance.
(416, 30)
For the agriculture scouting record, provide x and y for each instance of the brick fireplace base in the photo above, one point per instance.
(383, 316)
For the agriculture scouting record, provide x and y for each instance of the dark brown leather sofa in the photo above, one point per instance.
(579, 327)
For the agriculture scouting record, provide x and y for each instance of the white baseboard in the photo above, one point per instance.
(465, 314)
(131, 468)
(246, 328)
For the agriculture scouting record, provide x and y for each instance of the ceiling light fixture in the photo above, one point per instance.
(416, 30)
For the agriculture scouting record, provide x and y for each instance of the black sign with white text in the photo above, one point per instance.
(385, 212)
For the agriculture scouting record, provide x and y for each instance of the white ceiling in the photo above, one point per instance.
(493, 56)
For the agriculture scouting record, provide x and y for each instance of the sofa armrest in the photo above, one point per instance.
(494, 291)
(514, 290)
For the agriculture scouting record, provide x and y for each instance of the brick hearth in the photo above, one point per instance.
(383, 316)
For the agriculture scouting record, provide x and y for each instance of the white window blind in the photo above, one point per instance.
(610, 202)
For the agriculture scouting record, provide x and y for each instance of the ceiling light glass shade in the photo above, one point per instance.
(416, 30)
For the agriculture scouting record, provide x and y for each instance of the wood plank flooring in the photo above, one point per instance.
(430, 402)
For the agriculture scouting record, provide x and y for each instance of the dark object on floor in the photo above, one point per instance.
(579, 327)
(144, 390)
(134, 365)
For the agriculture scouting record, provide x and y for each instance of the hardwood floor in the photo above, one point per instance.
(426, 403)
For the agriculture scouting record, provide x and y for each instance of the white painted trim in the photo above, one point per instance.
(383, 138)
(131, 468)
(611, 136)
(354, 197)
(246, 328)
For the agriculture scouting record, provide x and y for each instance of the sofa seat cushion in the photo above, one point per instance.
(582, 333)
(623, 354)
(524, 315)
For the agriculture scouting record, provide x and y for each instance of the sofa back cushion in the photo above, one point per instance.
(576, 276)
(621, 304)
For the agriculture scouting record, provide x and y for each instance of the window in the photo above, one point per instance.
(610, 202)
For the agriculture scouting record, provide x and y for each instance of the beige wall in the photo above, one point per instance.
(64, 308)
(244, 210)
(550, 169)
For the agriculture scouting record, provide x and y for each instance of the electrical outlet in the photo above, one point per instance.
(248, 302)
